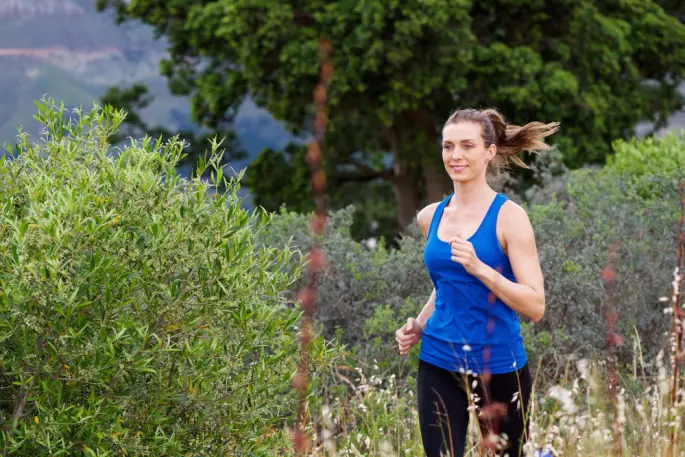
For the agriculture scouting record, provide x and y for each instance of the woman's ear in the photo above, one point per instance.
(492, 152)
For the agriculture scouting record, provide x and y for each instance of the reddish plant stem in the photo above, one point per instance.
(491, 413)
(316, 257)
(676, 322)
(608, 275)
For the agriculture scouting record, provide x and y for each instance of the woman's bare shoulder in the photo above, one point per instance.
(425, 217)
(514, 220)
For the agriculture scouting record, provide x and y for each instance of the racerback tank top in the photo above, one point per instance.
(470, 330)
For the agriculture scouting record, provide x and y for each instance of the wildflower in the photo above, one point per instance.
(564, 397)
(621, 407)
(661, 376)
(385, 448)
(582, 366)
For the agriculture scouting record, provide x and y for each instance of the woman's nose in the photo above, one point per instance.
(456, 154)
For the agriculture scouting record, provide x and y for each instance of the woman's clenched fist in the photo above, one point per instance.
(408, 335)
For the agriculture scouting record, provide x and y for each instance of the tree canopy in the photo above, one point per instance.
(402, 67)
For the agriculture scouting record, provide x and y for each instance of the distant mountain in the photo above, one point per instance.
(14, 9)
(65, 49)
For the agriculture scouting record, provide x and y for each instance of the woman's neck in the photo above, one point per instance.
(467, 194)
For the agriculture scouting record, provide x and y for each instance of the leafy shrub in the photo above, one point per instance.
(649, 159)
(367, 288)
(649, 156)
(574, 239)
(138, 314)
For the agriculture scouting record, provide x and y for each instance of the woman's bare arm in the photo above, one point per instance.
(527, 294)
(424, 219)
(427, 310)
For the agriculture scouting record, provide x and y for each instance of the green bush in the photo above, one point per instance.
(367, 289)
(647, 162)
(649, 156)
(138, 314)
(574, 237)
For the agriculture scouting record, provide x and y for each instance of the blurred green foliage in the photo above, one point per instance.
(650, 164)
(663, 156)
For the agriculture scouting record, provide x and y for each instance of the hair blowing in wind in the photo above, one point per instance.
(510, 139)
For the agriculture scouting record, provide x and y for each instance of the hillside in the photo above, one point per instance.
(65, 49)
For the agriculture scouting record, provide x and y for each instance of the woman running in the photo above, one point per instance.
(482, 259)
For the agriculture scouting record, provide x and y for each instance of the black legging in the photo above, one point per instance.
(443, 414)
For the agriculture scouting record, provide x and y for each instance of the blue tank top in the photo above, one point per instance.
(470, 330)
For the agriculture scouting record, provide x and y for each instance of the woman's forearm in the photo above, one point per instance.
(521, 298)
(427, 310)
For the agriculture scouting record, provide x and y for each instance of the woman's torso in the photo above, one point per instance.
(470, 328)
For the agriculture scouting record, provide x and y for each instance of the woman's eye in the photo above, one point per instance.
(447, 147)
(467, 146)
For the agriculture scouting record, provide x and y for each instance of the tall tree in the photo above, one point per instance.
(401, 67)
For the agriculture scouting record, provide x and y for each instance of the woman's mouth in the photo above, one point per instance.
(458, 168)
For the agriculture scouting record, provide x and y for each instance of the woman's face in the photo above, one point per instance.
(464, 153)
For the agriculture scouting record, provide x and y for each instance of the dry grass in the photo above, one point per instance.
(572, 418)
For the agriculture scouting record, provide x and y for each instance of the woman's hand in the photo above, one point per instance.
(464, 254)
(408, 335)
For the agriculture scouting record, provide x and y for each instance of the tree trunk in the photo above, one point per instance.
(438, 183)
(406, 194)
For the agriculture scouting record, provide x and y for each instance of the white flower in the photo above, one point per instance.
(386, 448)
(564, 397)
(582, 366)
